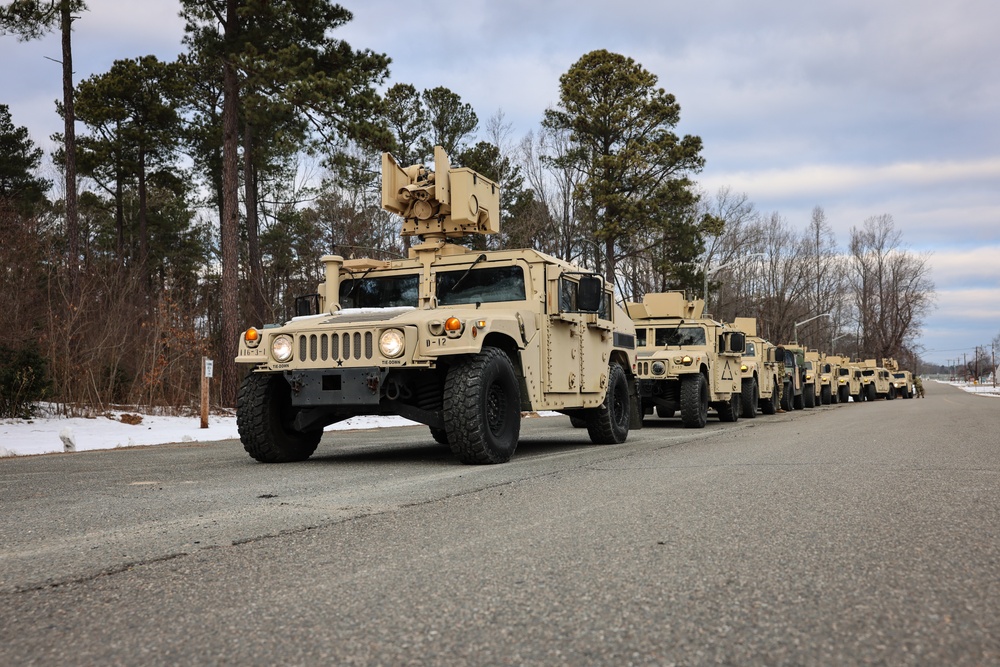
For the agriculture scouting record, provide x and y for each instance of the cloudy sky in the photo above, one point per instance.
(862, 107)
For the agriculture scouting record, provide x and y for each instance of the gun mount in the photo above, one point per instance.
(441, 203)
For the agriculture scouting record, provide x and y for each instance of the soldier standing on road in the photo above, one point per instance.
(919, 386)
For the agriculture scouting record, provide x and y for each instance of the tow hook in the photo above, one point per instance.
(373, 383)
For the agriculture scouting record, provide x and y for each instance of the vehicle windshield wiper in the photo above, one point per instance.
(356, 281)
(481, 258)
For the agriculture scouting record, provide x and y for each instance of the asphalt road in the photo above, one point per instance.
(843, 535)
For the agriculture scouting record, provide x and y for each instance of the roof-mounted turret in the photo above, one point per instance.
(666, 304)
(440, 203)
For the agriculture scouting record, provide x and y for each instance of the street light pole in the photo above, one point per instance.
(795, 327)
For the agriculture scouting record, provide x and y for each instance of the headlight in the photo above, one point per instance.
(281, 348)
(659, 368)
(391, 343)
(809, 376)
(686, 360)
(744, 368)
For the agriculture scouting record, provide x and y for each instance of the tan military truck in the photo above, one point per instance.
(876, 381)
(457, 339)
(902, 381)
(827, 380)
(793, 392)
(686, 362)
(760, 371)
(812, 383)
(848, 378)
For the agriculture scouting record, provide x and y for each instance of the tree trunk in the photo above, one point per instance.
(229, 225)
(69, 130)
(258, 303)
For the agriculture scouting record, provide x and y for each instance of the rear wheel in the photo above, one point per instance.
(608, 424)
(870, 393)
(578, 422)
(787, 404)
(809, 395)
(482, 408)
(729, 411)
(264, 415)
(750, 398)
(440, 435)
(694, 401)
(769, 406)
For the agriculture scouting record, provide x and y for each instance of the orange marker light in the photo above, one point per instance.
(251, 335)
(453, 324)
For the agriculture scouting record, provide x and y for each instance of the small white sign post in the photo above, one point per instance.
(206, 376)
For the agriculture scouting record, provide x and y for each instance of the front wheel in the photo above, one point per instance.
(750, 399)
(608, 424)
(845, 393)
(482, 408)
(825, 395)
(264, 415)
(729, 411)
(694, 401)
(809, 395)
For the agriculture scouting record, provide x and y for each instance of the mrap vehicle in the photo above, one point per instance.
(458, 339)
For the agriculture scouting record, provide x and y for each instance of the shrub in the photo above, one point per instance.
(23, 381)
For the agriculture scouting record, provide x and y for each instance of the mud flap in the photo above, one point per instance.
(635, 405)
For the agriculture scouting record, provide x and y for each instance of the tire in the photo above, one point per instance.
(440, 435)
(729, 411)
(609, 424)
(769, 406)
(786, 398)
(844, 393)
(798, 402)
(482, 408)
(749, 399)
(892, 393)
(859, 397)
(809, 395)
(870, 393)
(264, 413)
(825, 395)
(578, 422)
(694, 401)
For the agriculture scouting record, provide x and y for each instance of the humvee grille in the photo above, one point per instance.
(336, 346)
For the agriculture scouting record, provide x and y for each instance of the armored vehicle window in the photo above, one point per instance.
(751, 350)
(605, 311)
(488, 285)
(640, 337)
(379, 292)
(825, 368)
(868, 373)
(845, 371)
(901, 376)
(680, 336)
(808, 365)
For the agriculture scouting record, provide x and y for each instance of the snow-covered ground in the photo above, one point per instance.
(44, 435)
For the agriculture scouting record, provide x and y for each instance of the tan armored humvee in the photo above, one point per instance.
(902, 381)
(793, 392)
(457, 339)
(686, 362)
(813, 379)
(761, 371)
(848, 379)
(876, 381)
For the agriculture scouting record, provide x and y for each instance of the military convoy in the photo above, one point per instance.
(685, 362)
(465, 340)
(457, 339)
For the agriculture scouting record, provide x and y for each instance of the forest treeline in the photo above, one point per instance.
(193, 198)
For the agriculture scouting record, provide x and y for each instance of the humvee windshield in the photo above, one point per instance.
(379, 291)
(845, 371)
(868, 373)
(680, 336)
(750, 351)
(488, 285)
(901, 376)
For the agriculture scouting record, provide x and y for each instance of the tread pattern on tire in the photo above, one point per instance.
(469, 434)
(750, 399)
(604, 426)
(694, 401)
(260, 404)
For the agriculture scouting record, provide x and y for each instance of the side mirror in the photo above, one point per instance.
(737, 342)
(307, 305)
(778, 354)
(588, 299)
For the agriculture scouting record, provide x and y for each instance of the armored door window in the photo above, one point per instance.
(751, 350)
(640, 337)
(567, 295)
